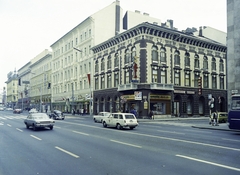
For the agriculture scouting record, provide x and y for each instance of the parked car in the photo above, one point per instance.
(17, 111)
(38, 120)
(100, 116)
(33, 110)
(222, 117)
(120, 120)
(1, 108)
(56, 114)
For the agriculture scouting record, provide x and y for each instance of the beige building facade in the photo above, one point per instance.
(150, 67)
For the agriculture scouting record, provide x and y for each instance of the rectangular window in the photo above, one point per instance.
(102, 82)
(96, 83)
(205, 81)
(221, 83)
(214, 82)
(187, 79)
(109, 81)
(116, 80)
(127, 80)
(163, 76)
(196, 77)
(177, 79)
(154, 76)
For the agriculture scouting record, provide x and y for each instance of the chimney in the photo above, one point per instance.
(200, 31)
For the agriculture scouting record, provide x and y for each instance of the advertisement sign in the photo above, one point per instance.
(138, 95)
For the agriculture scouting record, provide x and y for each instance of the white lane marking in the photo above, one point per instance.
(173, 132)
(19, 129)
(80, 133)
(9, 125)
(231, 140)
(35, 137)
(126, 144)
(3, 118)
(65, 151)
(207, 162)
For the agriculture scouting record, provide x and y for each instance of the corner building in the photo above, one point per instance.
(150, 67)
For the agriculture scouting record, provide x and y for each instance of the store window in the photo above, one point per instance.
(158, 108)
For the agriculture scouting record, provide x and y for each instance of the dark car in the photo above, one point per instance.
(57, 115)
(39, 120)
(17, 111)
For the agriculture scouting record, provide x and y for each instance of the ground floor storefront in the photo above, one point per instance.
(179, 102)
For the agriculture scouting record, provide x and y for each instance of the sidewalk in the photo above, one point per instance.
(221, 126)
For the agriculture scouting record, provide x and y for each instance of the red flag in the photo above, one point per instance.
(88, 75)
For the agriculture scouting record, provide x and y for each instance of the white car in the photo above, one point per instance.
(120, 121)
(100, 116)
(33, 110)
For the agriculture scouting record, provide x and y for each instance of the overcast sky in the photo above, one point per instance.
(30, 26)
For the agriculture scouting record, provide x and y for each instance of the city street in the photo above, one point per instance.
(77, 145)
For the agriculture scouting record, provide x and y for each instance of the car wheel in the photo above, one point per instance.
(119, 126)
(95, 120)
(132, 128)
(27, 126)
(62, 118)
(51, 127)
(104, 124)
(34, 127)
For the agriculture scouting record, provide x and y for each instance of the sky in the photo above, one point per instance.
(30, 26)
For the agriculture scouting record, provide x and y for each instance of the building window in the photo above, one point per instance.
(109, 63)
(116, 61)
(177, 78)
(102, 65)
(102, 82)
(96, 67)
(96, 83)
(85, 84)
(163, 55)
(127, 56)
(116, 79)
(134, 54)
(214, 82)
(205, 63)
(196, 77)
(154, 75)
(221, 66)
(213, 64)
(109, 81)
(221, 82)
(205, 81)
(196, 61)
(154, 54)
(127, 80)
(163, 76)
(187, 59)
(176, 58)
(187, 78)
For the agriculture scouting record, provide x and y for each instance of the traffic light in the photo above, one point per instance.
(200, 86)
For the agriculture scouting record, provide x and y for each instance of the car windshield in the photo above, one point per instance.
(129, 116)
(40, 117)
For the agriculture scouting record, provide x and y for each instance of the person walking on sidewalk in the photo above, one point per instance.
(151, 116)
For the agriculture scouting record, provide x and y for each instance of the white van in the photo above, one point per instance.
(120, 121)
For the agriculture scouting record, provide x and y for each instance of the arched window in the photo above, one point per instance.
(205, 62)
(96, 66)
(116, 60)
(176, 58)
(196, 61)
(221, 65)
(109, 63)
(213, 64)
(187, 59)
(102, 65)
(155, 54)
(127, 57)
(133, 54)
(163, 55)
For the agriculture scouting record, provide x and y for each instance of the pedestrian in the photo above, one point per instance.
(150, 115)
(214, 119)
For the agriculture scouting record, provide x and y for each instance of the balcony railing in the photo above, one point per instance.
(160, 86)
(130, 86)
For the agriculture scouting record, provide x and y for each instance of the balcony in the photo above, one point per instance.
(130, 86)
(160, 86)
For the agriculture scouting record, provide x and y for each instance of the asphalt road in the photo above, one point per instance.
(78, 146)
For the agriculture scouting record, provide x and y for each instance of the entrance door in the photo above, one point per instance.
(176, 108)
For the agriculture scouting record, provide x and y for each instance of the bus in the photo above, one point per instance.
(234, 113)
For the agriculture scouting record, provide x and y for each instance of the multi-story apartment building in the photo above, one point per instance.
(150, 67)
(40, 81)
(72, 84)
(12, 89)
